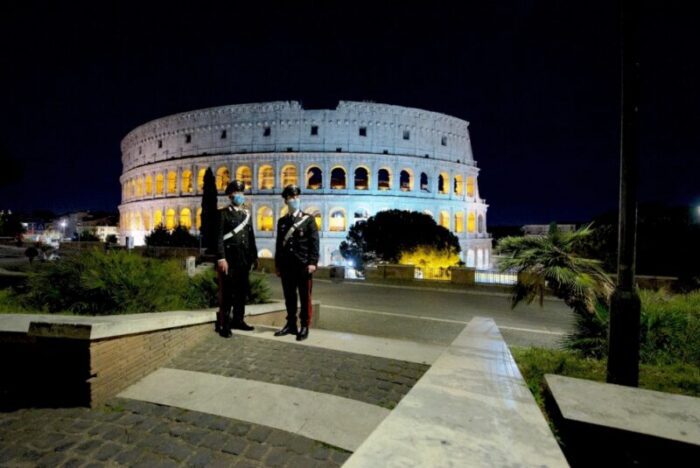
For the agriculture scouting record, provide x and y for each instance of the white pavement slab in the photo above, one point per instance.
(337, 421)
(471, 409)
(410, 351)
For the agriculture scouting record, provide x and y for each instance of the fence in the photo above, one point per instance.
(495, 277)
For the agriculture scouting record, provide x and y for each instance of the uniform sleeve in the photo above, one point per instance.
(220, 253)
(278, 243)
(313, 243)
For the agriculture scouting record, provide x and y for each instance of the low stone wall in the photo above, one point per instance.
(465, 276)
(391, 272)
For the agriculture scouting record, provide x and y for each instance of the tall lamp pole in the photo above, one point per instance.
(625, 306)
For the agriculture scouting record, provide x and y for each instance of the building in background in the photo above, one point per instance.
(350, 162)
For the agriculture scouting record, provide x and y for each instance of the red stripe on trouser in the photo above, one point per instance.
(308, 304)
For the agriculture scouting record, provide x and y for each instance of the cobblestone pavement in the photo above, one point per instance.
(134, 433)
(370, 379)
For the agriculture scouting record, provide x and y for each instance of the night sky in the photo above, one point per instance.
(539, 82)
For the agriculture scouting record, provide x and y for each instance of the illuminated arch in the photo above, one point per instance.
(187, 181)
(289, 175)
(406, 180)
(244, 174)
(266, 177)
(314, 178)
(459, 221)
(443, 183)
(265, 253)
(186, 218)
(159, 184)
(362, 181)
(458, 185)
(146, 220)
(471, 222)
(170, 219)
(198, 220)
(157, 218)
(265, 218)
(149, 185)
(200, 178)
(424, 182)
(139, 187)
(480, 223)
(172, 182)
(444, 219)
(338, 178)
(316, 213)
(337, 220)
(470, 186)
(223, 177)
(136, 221)
(384, 179)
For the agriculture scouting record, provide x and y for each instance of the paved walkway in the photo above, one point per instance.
(142, 433)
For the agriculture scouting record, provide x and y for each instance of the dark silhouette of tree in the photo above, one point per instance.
(178, 237)
(386, 235)
(210, 214)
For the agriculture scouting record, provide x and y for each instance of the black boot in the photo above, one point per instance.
(241, 325)
(303, 333)
(289, 329)
(225, 332)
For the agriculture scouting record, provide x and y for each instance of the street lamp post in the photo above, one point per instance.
(625, 305)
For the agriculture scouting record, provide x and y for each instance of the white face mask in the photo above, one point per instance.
(293, 204)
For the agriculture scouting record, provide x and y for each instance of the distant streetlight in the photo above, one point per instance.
(63, 228)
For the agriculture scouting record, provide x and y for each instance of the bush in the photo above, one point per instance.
(204, 288)
(670, 329)
(259, 289)
(178, 237)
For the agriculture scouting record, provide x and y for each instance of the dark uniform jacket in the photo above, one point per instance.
(302, 247)
(239, 250)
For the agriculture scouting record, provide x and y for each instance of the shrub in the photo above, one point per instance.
(178, 237)
(259, 289)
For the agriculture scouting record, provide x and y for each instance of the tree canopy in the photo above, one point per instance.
(388, 234)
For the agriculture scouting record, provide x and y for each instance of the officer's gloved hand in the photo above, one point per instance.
(255, 265)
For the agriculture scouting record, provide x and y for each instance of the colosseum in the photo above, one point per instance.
(351, 162)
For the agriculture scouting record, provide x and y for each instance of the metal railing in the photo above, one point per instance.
(495, 277)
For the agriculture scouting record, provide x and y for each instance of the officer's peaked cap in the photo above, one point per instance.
(291, 191)
(235, 186)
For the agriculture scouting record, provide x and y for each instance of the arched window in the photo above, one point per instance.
(316, 213)
(246, 175)
(338, 178)
(159, 184)
(186, 218)
(265, 218)
(405, 181)
(361, 178)
(187, 181)
(265, 253)
(444, 219)
(471, 222)
(481, 223)
(124, 220)
(337, 220)
(470, 186)
(289, 175)
(157, 218)
(314, 178)
(383, 179)
(459, 221)
(266, 178)
(443, 181)
(361, 214)
(172, 182)
(170, 219)
(199, 218)
(149, 185)
(424, 186)
(222, 178)
(458, 185)
(136, 221)
(146, 219)
(139, 187)
(200, 178)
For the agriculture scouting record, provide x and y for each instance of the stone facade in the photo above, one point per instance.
(351, 162)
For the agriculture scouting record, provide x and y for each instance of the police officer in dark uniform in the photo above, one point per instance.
(296, 257)
(237, 252)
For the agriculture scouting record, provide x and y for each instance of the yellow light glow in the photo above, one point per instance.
(470, 186)
(337, 221)
(159, 184)
(459, 185)
(266, 178)
(199, 218)
(444, 219)
(172, 182)
(187, 181)
(245, 174)
(433, 263)
(149, 185)
(146, 221)
(265, 219)
(459, 222)
(289, 175)
(157, 218)
(471, 222)
(170, 219)
(200, 178)
(222, 178)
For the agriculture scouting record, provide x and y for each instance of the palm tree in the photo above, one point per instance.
(552, 262)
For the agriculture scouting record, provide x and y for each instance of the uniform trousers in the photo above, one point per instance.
(297, 279)
(234, 288)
